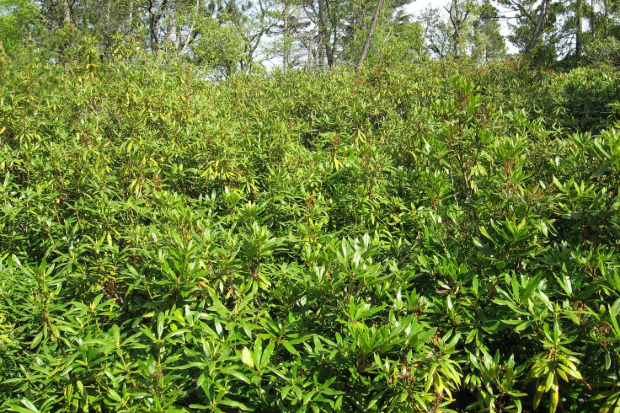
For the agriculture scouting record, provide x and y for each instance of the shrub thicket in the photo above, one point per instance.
(431, 237)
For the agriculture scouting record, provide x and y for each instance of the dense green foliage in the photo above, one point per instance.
(416, 238)
(226, 37)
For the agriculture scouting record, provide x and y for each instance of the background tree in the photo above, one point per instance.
(400, 41)
(291, 36)
(464, 28)
(230, 36)
(219, 47)
(371, 32)
(460, 13)
(371, 26)
(533, 19)
(436, 32)
(16, 23)
(488, 43)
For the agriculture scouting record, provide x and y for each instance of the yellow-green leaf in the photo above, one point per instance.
(246, 357)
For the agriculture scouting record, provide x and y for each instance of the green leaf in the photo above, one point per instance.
(147, 332)
(236, 374)
(290, 348)
(374, 400)
(308, 396)
(267, 353)
(29, 405)
(484, 232)
(114, 395)
(160, 325)
(246, 357)
(37, 339)
(20, 409)
(235, 404)
(540, 390)
(554, 396)
(602, 169)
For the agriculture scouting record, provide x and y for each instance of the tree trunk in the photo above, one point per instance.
(107, 17)
(333, 44)
(606, 21)
(130, 14)
(579, 35)
(178, 36)
(371, 33)
(66, 13)
(458, 17)
(541, 22)
(153, 25)
(320, 52)
(286, 61)
(456, 24)
(190, 34)
(325, 35)
(155, 16)
(171, 32)
(592, 19)
(309, 62)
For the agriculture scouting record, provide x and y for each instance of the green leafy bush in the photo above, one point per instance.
(420, 238)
